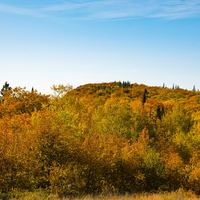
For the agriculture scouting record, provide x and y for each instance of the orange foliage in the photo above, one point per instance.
(100, 137)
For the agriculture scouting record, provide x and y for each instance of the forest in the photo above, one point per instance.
(116, 137)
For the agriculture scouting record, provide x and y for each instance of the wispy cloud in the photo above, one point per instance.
(66, 6)
(20, 10)
(111, 9)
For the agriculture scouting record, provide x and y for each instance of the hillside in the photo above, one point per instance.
(119, 137)
(133, 91)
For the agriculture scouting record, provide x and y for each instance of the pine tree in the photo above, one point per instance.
(163, 85)
(5, 88)
(158, 112)
(144, 98)
(194, 89)
(177, 87)
(163, 111)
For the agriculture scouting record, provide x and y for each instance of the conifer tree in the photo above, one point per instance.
(144, 98)
(177, 87)
(163, 111)
(158, 112)
(163, 85)
(5, 88)
(194, 89)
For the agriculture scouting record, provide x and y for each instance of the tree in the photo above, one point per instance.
(177, 87)
(61, 90)
(194, 89)
(160, 112)
(18, 101)
(144, 98)
(5, 88)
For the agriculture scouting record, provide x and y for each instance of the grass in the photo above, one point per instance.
(42, 195)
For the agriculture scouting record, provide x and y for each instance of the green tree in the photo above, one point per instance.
(5, 88)
(144, 98)
(163, 85)
(194, 89)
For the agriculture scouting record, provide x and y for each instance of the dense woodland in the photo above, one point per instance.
(116, 137)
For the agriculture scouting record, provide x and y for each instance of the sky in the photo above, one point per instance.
(76, 42)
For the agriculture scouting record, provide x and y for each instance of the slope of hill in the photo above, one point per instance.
(119, 137)
(133, 90)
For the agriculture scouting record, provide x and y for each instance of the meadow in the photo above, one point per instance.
(42, 195)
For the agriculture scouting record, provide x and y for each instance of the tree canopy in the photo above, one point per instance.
(100, 137)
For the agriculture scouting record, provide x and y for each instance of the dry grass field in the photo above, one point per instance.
(41, 195)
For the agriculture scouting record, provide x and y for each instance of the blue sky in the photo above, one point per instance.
(92, 41)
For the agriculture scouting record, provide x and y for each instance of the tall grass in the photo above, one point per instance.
(43, 195)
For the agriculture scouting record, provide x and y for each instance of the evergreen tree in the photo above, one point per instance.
(163, 111)
(124, 84)
(158, 112)
(194, 89)
(129, 84)
(163, 85)
(177, 87)
(144, 98)
(5, 88)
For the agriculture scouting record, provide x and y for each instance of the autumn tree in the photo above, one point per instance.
(99, 138)
(18, 101)
(61, 90)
